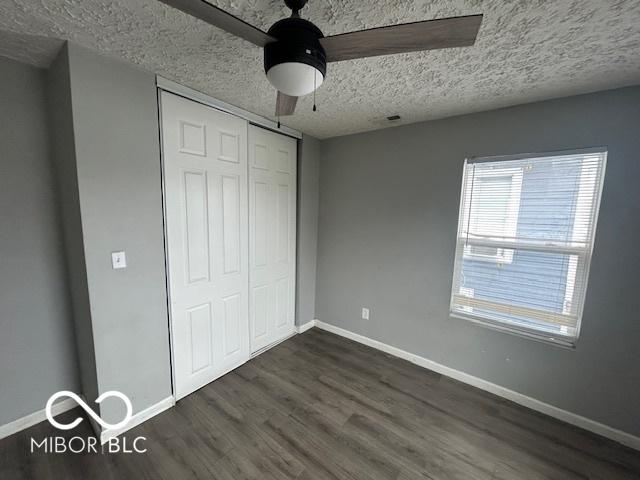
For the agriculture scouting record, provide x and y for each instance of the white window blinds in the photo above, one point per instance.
(525, 237)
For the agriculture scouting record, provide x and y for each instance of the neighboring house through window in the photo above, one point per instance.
(494, 206)
(525, 237)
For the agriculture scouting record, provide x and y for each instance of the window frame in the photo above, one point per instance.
(537, 334)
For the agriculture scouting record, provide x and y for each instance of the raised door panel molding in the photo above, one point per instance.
(260, 311)
(192, 138)
(231, 224)
(232, 331)
(282, 223)
(229, 147)
(260, 215)
(200, 328)
(260, 156)
(282, 302)
(283, 162)
(196, 226)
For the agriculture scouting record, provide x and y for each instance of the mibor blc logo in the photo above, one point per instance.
(112, 444)
(89, 410)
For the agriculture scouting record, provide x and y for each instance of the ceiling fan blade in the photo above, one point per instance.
(221, 19)
(285, 105)
(406, 37)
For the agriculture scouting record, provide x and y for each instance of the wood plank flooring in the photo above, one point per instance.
(320, 407)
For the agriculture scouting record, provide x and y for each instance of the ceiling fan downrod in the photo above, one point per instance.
(295, 6)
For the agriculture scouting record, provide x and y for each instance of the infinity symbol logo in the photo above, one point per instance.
(87, 408)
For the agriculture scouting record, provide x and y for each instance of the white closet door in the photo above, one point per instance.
(272, 236)
(205, 165)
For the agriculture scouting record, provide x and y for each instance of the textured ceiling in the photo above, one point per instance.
(526, 50)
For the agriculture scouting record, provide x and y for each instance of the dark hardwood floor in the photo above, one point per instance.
(319, 406)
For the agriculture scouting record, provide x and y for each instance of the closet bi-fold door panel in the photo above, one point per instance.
(272, 236)
(205, 173)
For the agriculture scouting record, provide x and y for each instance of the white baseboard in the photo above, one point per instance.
(138, 418)
(306, 326)
(35, 418)
(537, 405)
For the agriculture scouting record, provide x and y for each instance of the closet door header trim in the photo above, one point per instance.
(252, 118)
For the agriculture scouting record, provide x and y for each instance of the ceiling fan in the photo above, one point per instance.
(296, 52)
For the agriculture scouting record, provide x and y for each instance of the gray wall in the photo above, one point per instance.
(308, 183)
(387, 226)
(37, 351)
(115, 144)
(64, 160)
(115, 119)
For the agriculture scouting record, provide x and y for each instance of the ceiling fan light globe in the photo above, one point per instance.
(295, 79)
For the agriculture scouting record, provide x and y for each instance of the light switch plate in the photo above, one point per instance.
(365, 313)
(118, 260)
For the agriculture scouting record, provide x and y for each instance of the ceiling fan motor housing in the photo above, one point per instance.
(298, 41)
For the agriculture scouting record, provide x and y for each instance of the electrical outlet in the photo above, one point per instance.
(365, 313)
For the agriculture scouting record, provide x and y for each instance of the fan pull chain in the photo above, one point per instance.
(315, 73)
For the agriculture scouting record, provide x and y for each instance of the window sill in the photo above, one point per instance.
(563, 342)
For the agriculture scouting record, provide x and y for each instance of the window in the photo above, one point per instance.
(525, 237)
